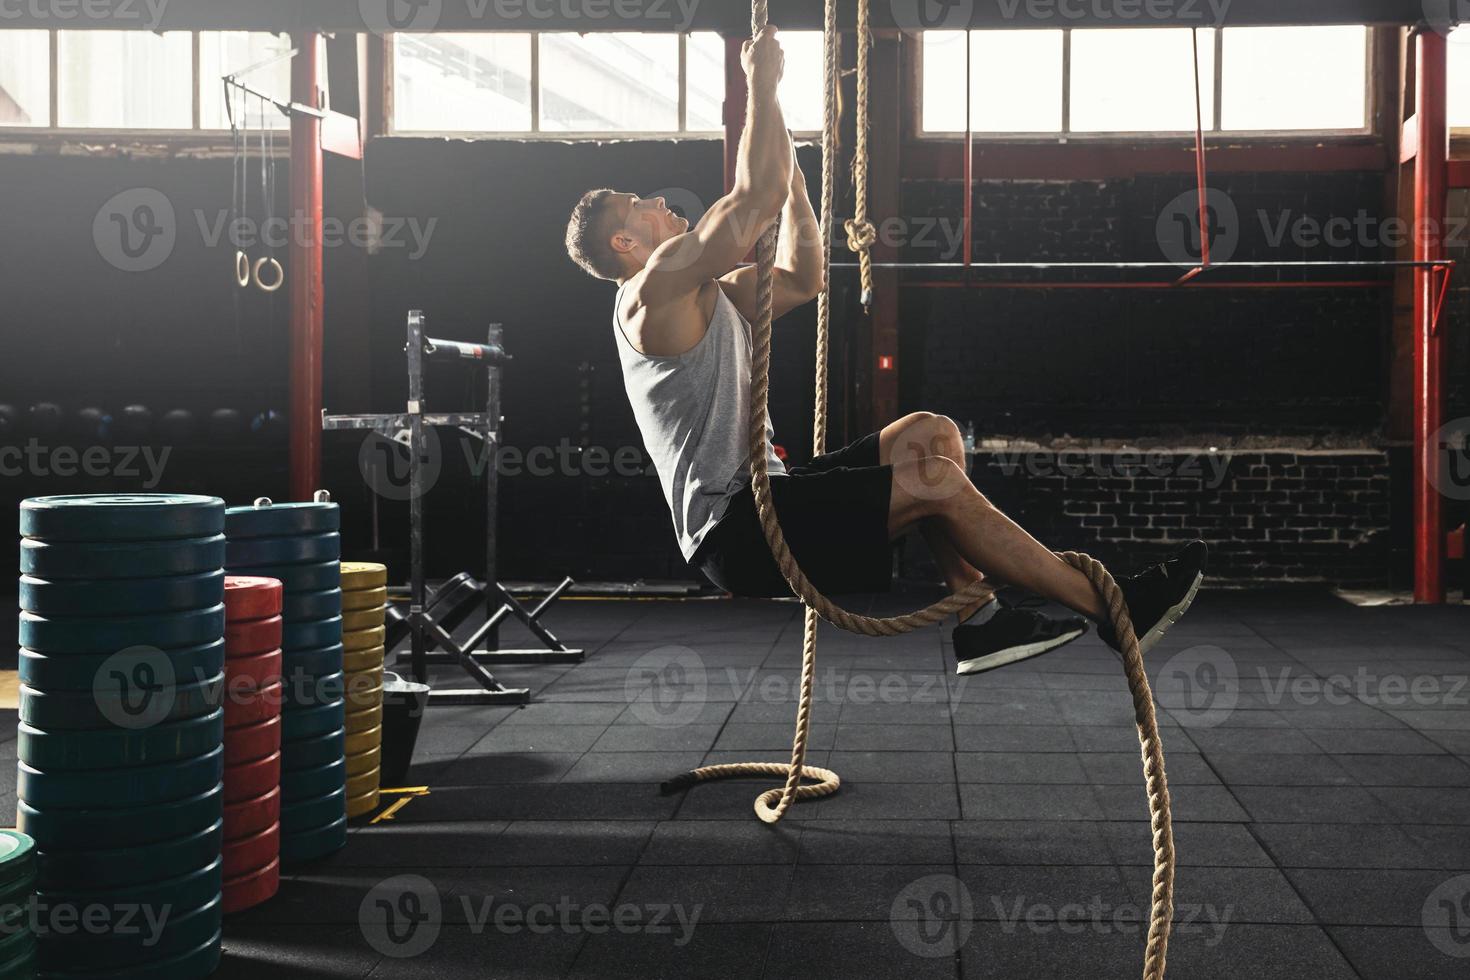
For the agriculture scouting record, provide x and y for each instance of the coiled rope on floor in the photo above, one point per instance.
(771, 805)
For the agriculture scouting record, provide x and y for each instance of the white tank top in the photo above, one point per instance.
(693, 410)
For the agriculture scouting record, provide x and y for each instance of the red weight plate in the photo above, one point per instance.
(254, 706)
(250, 742)
(249, 674)
(253, 815)
(252, 779)
(251, 597)
(251, 636)
(252, 853)
(248, 891)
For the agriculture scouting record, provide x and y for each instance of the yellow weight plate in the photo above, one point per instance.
(363, 575)
(363, 639)
(364, 782)
(362, 619)
(357, 661)
(359, 742)
(361, 721)
(364, 761)
(365, 598)
(361, 806)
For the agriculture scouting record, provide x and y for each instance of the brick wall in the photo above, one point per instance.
(1270, 516)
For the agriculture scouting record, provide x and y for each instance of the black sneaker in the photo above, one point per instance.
(1157, 597)
(1011, 634)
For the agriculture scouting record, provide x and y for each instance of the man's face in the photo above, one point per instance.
(648, 221)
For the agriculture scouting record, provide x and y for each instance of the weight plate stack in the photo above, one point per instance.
(364, 605)
(299, 545)
(121, 743)
(253, 669)
(17, 886)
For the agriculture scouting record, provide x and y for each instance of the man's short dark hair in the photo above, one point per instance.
(589, 232)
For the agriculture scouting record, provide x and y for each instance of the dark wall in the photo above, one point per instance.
(1163, 366)
(1288, 362)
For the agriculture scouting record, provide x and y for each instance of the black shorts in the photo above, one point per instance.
(834, 513)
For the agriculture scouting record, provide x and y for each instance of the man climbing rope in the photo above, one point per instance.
(682, 322)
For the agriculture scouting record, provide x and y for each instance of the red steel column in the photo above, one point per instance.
(1430, 174)
(305, 272)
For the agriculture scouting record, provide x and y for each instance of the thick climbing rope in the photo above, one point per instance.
(860, 231)
(771, 805)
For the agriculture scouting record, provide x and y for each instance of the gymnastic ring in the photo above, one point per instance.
(280, 274)
(242, 269)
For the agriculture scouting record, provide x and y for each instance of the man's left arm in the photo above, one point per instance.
(798, 273)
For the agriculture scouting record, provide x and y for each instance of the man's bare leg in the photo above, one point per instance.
(918, 436)
(937, 490)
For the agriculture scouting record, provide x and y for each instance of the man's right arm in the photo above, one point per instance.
(731, 227)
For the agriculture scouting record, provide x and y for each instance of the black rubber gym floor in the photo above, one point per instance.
(1317, 756)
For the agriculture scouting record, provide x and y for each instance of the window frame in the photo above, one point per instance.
(1211, 88)
(390, 54)
(195, 135)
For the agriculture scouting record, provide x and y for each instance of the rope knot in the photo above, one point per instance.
(860, 234)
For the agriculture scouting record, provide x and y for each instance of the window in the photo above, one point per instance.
(608, 83)
(1459, 58)
(25, 78)
(1141, 80)
(136, 80)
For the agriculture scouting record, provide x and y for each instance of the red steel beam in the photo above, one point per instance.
(305, 273)
(1430, 204)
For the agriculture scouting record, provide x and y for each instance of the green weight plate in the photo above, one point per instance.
(306, 577)
(310, 845)
(277, 520)
(111, 748)
(88, 634)
(121, 596)
(299, 723)
(69, 830)
(306, 784)
(133, 692)
(309, 814)
(241, 553)
(16, 939)
(318, 662)
(132, 940)
(311, 633)
(79, 671)
(192, 890)
(193, 965)
(130, 559)
(308, 753)
(136, 786)
(322, 604)
(22, 967)
(121, 517)
(17, 853)
(103, 868)
(304, 692)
